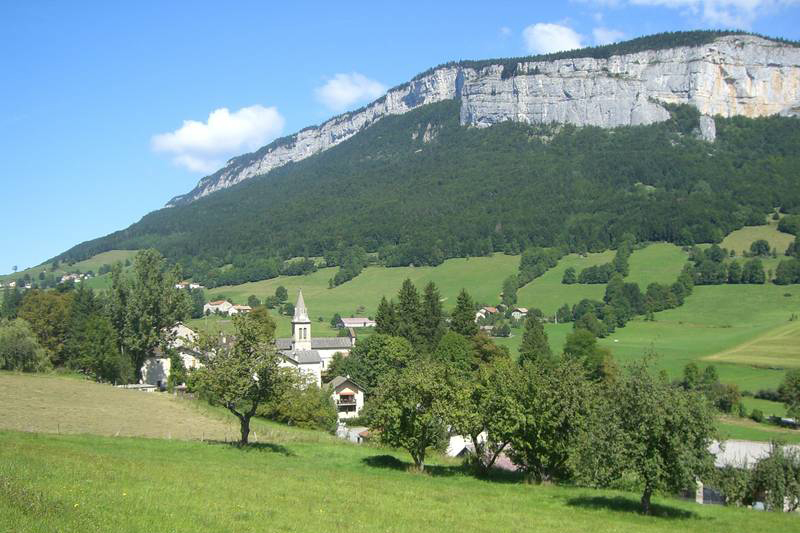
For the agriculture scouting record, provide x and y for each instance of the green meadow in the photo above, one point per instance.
(290, 480)
(481, 276)
(741, 239)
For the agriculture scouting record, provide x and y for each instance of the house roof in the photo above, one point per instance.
(340, 380)
(355, 320)
(243, 307)
(490, 309)
(521, 309)
(318, 343)
(217, 302)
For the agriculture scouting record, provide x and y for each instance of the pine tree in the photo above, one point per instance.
(409, 314)
(463, 318)
(386, 318)
(534, 347)
(432, 319)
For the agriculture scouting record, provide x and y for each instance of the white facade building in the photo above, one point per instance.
(218, 306)
(306, 353)
(155, 370)
(348, 397)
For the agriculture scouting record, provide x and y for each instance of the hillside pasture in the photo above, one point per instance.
(713, 320)
(777, 348)
(659, 262)
(481, 276)
(93, 264)
(548, 293)
(50, 404)
(741, 239)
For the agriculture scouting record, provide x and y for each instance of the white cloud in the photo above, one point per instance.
(204, 146)
(344, 90)
(505, 31)
(606, 35)
(544, 38)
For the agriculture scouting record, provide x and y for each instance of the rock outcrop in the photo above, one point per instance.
(733, 75)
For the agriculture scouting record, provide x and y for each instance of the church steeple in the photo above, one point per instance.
(301, 325)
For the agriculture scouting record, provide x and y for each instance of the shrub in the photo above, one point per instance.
(757, 415)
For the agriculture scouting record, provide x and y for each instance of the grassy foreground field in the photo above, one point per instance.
(291, 480)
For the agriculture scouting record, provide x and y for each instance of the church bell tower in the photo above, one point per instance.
(301, 326)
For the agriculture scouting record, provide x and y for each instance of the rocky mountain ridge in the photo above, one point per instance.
(732, 75)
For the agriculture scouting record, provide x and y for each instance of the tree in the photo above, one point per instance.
(11, 301)
(409, 314)
(456, 352)
(759, 248)
(19, 348)
(243, 375)
(432, 325)
(556, 402)
(753, 272)
(651, 429)
(789, 392)
(569, 277)
(386, 318)
(734, 272)
(145, 306)
(777, 477)
(253, 301)
(535, 348)
(198, 298)
(581, 345)
(410, 410)
(691, 376)
(462, 319)
(305, 406)
(510, 291)
(281, 294)
(47, 312)
(373, 359)
(93, 350)
(486, 409)
(564, 314)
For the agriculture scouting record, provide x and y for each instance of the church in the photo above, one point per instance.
(306, 353)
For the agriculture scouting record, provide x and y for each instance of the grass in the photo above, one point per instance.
(548, 293)
(713, 320)
(482, 276)
(741, 239)
(769, 408)
(291, 480)
(93, 264)
(657, 262)
(777, 348)
(746, 429)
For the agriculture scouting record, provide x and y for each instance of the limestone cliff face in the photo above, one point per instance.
(733, 75)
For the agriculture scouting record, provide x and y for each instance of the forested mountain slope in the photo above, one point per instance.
(419, 187)
(623, 84)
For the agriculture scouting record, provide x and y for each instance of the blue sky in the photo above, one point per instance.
(109, 109)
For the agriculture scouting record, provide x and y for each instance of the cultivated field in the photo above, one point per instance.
(291, 480)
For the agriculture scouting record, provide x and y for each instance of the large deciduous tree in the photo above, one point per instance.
(410, 410)
(244, 373)
(652, 429)
(48, 312)
(145, 306)
(371, 360)
(556, 403)
(19, 348)
(486, 408)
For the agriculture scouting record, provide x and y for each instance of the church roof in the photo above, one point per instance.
(300, 311)
(318, 343)
(303, 357)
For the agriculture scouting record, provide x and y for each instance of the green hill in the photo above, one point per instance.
(473, 191)
(291, 480)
